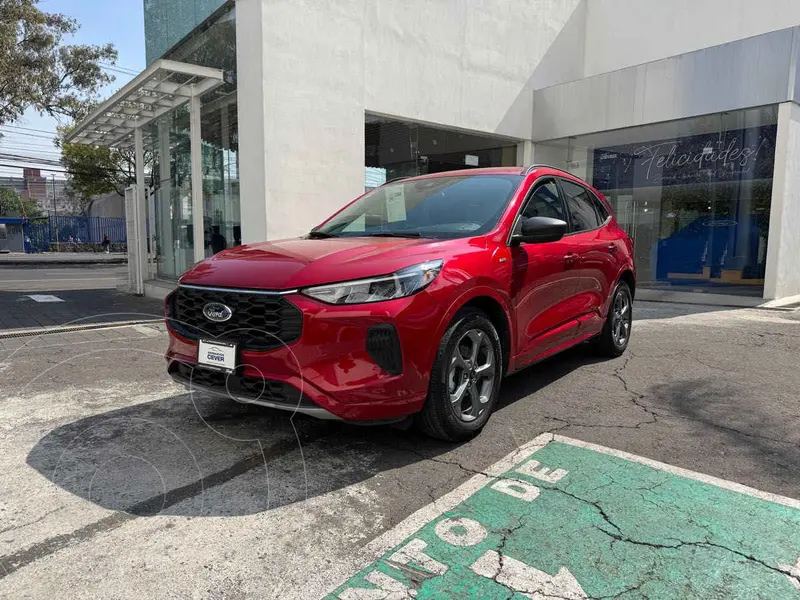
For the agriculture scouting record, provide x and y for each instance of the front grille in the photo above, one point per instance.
(254, 388)
(259, 321)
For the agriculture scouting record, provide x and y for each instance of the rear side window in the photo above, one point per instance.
(601, 208)
(581, 206)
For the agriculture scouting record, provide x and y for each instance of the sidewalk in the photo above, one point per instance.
(62, 258)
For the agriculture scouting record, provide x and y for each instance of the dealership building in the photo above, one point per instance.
(265, 116)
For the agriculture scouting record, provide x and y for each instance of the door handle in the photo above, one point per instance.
(570, 258)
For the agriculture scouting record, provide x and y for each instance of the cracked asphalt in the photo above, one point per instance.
(119, 484)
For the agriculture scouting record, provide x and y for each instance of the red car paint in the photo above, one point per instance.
(551, 296)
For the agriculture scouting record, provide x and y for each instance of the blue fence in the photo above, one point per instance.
(40, 233)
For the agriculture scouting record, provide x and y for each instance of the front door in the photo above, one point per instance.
(543, 283)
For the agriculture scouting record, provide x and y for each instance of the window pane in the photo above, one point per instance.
(600, 208)
(545, 202)
(581, 207)
(694, 195)
(214, 46)
(441, 207)
(395, 148)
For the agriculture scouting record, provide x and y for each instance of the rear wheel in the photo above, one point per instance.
(465, 380)
(616, 334)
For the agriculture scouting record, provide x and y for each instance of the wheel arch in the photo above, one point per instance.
(495, 307)
(628, 277)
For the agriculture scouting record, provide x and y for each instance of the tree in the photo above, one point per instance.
(38, 70)
(13, 205)
(95, 170)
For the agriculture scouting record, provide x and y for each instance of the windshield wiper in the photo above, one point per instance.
(320, 235)
(399, 234)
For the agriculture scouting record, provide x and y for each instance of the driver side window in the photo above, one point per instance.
(544, 202)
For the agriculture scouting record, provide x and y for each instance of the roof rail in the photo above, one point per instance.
(529, 169)
(396, 179)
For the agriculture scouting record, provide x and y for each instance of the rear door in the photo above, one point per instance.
(596, 264)
(543, 283)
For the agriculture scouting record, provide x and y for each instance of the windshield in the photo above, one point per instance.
(437, 207)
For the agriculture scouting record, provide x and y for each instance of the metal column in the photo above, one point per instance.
(196, 150)
(225, 155)
(171, 254)
(137, 246)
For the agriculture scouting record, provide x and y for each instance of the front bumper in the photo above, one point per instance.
(186, 375)
(331, 365)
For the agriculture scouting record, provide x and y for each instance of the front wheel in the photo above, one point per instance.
(616, 333)
(465, 379)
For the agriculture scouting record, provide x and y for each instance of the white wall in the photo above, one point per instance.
(756, 71)
(250, 94)
(469, 63)
(783, 267)
(623, 33)
(107, 205)
(309, 70)
(574, 160)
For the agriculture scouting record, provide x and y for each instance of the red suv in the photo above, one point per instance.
(415, 299)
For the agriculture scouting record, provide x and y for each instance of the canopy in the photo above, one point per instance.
(160, 88)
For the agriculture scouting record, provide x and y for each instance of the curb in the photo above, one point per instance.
(37, 331)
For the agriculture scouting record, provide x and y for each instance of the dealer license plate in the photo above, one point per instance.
(216, 355)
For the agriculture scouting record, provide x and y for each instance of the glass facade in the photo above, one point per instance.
(395, 148)
(172, 179)
(167, 22)
(213, 45)
(694, 195)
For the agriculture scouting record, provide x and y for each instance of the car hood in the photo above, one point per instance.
(300, 262)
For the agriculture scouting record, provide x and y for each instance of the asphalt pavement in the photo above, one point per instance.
(68, 295)
(119, 484)
(56, 278)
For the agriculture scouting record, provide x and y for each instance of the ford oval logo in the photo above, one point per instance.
(217, 312)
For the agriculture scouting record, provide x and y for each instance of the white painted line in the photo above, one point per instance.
(416, 521)
(44, 298)
(721, 483)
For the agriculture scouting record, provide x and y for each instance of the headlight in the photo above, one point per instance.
(399, 284)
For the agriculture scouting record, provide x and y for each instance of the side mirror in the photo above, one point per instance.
(540, 230)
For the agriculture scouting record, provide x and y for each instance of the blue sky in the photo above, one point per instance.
(118, 21)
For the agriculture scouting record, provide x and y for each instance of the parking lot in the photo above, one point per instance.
(119, 484)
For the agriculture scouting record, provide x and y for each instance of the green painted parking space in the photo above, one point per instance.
(568, 520)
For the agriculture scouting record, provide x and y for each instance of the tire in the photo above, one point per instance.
(471, 379)
(614, 338)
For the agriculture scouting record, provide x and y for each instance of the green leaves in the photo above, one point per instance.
(12, 205)
(38, 70)
(95, 170)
